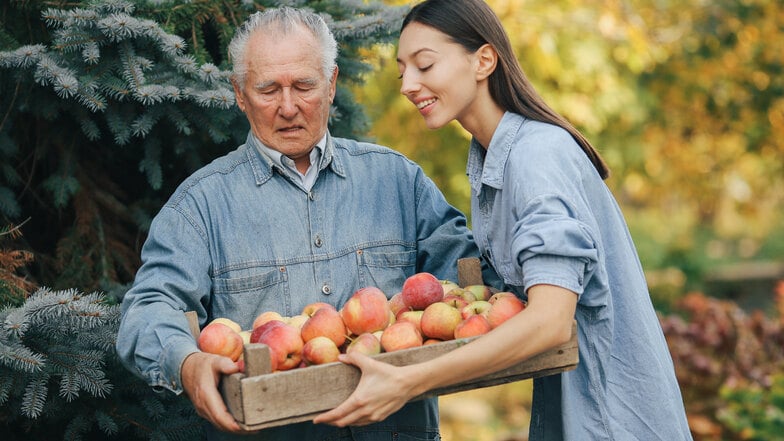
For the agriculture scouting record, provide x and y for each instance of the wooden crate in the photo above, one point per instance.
(260, 399)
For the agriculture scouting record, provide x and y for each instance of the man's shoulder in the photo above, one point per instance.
(218, 169)
(354, 147)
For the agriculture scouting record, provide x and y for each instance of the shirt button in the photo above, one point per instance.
(326, 289)
(318, 242)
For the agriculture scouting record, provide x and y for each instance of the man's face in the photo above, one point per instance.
(286, 96)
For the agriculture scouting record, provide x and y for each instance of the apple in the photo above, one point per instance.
(469, 296)
(228, 322)
(422, 290)
(474, 325)
(481, 292)
(455, 301)
(218, 338)
(493, 298)
(320, 350)
(256, 333)
(266, 316)
(476, 307)
(285, 346)
(440, 320)
(311, 308)
(448, 285)
(245, 336)
(431, 341)
(396, 303)
(297, 320)
(412, 316)
(401, 335)
(324, 322)
(366, 343)
(366, 311)
(503, 307)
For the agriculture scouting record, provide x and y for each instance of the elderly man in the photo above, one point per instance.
(293, 216)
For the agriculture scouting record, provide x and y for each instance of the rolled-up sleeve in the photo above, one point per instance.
(553, 246)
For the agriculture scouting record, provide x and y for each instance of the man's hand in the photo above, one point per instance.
(200, 375)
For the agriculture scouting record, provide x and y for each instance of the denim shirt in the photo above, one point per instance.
(541, 214)
(242, 236)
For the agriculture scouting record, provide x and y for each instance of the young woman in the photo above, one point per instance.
(544, 218)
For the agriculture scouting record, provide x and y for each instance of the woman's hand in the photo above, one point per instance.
(382, 390)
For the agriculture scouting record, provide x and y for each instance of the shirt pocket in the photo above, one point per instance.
(242, 294)
(386, 267)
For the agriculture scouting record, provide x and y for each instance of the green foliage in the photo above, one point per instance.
(684, 101)
(60, 377)
(754, 412)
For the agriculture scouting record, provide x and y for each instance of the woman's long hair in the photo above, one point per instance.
(472, 24)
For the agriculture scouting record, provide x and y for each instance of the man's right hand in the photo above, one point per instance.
(200, 375)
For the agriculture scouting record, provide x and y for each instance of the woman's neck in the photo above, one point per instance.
(482, 119)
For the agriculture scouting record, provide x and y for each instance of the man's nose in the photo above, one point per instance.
(288, 107)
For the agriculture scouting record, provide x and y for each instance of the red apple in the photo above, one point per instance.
(366, 343)
(320, 350)
(401, 335)
(228, 322)
(255, 335)
(474, 325)
(481, 292)
(366, 311)
(475, 307)
(266, 316)
(499, 295)
(285, 345)
(311, 308)
(218, 338)
(324, 322)
(455, 301)
(422, 290)
(396, 303)
(440, 320)
(503, 307)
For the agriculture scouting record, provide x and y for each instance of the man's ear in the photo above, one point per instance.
(333, 83)
(238, 96)
(487, 60)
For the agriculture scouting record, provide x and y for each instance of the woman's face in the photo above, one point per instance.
(438, 75)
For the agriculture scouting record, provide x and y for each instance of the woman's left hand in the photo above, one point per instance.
(381, 391)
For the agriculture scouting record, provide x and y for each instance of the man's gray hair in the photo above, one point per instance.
(282, 21)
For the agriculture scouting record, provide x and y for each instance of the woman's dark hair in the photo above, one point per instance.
(472, 24)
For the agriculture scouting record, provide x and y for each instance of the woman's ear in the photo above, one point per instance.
(487, 59)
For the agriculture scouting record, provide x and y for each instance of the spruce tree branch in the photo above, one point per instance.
(11, 105)
(12, 231)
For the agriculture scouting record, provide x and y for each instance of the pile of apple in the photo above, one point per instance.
(427, 310)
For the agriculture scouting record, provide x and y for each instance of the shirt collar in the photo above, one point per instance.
(487, 166)
(316, 154)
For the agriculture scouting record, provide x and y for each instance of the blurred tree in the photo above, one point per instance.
(685, 101)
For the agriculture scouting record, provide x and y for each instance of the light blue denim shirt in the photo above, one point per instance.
(242, 236)
(541, 214)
